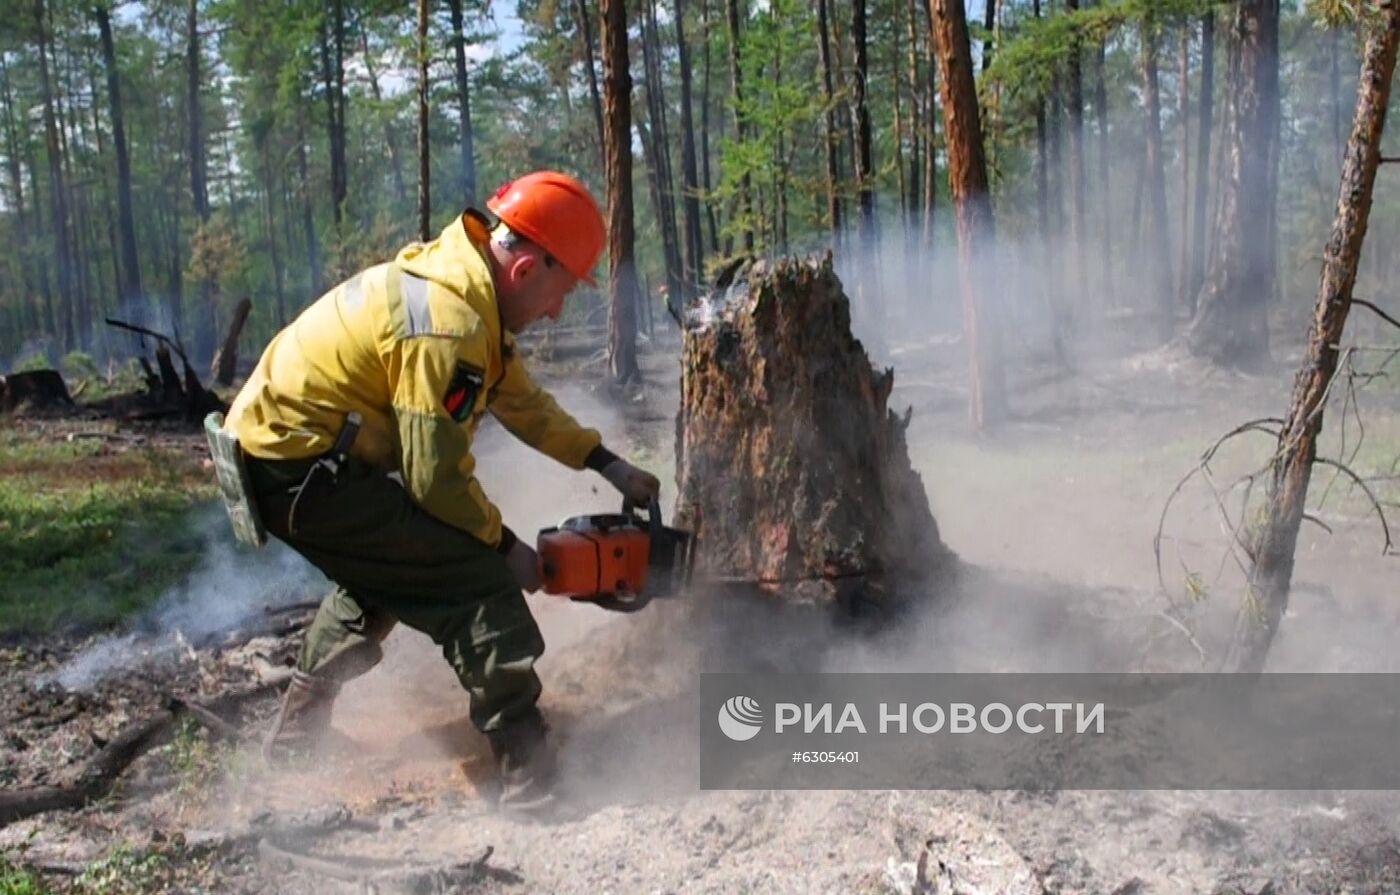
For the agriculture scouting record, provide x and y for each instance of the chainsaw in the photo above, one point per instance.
(617, 561)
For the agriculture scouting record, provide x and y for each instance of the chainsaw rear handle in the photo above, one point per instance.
(654, 524)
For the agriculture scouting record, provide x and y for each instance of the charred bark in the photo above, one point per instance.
(33, 390)
(1230, 326)
(1272, 572)
(810, 511)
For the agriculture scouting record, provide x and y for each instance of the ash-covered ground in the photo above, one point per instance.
(1054, 516)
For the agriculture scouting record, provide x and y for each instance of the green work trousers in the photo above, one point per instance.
(393, 562)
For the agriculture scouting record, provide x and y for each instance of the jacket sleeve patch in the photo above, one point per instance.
(462, 391)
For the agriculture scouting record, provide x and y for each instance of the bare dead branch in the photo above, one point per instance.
(1371, 495)
(1375, 309)
(1202, 468)
(174, 344)
(1309, 517)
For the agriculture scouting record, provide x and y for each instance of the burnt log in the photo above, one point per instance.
(33, 390)
(793, 473)
(170, 394)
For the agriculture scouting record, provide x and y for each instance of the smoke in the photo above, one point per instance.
(230, 586)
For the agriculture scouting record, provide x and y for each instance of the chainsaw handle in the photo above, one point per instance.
(654, 523)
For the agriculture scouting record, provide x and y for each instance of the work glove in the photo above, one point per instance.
(524, 564)
(637, 485)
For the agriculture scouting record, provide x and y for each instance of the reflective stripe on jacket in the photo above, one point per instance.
(416, 346)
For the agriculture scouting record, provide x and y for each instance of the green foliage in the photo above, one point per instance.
(86, 539)
(194, 758)
(15, 880)
(1037, 49)
(31, 363)
(126, 870)
(78, 365)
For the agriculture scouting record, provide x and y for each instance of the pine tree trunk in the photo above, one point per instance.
(328, 81)
(1074, 98)
(833, 173)
(425, 205)
(1206, 115)
(736, 77)
(206, 323)
(967, 179)
(617, 144)
(1184, 120)
(308, 217)
(464, 107)
(871, 302)
(1157, 252)
(269, 223)
(585, 25)
(661, 155)
(989, 24)
(126, 223)
(61, 320)
(690, 174)
(31, 310)
(1105, 184)
(391, 133)
(917, 122)
(710, 221)
(930, 157)
(1231, 325)
(810, 513)
(1048, 260)
(1273, 549)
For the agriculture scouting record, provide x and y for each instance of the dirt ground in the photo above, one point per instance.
(1055, 516)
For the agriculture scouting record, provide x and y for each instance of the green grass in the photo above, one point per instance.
(15, 880)
(87, 536)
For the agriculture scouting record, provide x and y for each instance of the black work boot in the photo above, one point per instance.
(305, 715)
(525, 760)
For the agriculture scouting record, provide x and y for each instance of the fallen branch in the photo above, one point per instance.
(96, 778)
(393, 875)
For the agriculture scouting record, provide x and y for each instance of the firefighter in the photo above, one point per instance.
(356, 429)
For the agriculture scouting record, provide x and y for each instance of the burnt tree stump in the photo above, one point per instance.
(793, 473)
(33, 390)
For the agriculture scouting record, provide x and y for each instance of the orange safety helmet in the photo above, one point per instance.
(557, 213)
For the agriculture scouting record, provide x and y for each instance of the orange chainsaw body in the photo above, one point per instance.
(618, 561)
(598, 555)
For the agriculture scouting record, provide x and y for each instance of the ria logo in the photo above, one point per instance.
(741, 718)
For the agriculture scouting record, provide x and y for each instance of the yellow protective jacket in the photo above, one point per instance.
(416, 346)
